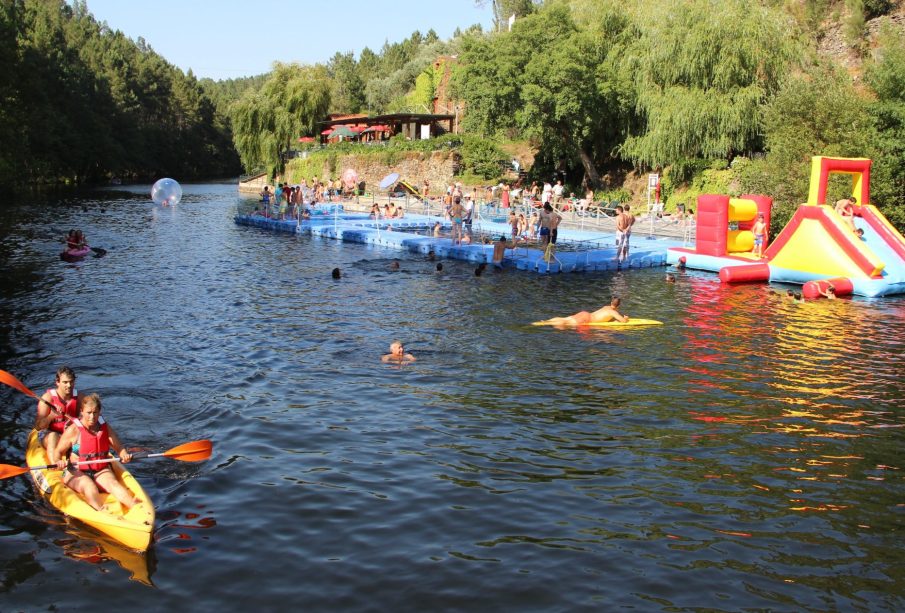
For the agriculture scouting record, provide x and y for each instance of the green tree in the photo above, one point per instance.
(266, 123)
(818, 112)
(886, 75)
(564, 90)
(504, 9)
(702, 73)
(348, 91)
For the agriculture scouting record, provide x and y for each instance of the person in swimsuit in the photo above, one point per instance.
(91, 429)
(760, 235)
(455, 213)
(607, 313)
(846, 208)
(499, 251)
(397, 354)
(830, 293)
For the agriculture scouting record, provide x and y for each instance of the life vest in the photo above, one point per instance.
(71, 408)
(92, 446)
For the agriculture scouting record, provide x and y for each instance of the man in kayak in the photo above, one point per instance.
(582, 318)
(90, 438)
(397, 354)
(56, 407)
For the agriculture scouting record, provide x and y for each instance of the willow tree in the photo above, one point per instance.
(289, 105)
(703, 70)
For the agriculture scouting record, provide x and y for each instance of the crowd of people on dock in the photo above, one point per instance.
(293, 201)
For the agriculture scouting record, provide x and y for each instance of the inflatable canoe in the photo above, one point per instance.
(631, 323)
(131, 527)
(71, 255)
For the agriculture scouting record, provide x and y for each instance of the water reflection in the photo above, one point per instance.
(747, 451)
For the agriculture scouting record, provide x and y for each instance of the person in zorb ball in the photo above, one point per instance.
(166, 192)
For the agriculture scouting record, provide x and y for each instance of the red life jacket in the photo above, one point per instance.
(92, 446)
(71, 408)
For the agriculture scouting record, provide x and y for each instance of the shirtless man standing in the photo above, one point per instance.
(621, 227)
(845, 208)
(456, 212)
(548, 224)
(607, 313)
(629, 222)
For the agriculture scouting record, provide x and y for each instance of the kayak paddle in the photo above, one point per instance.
(194, 451)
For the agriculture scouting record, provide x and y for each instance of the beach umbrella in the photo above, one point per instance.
(389, 181)
(350, 178)
(343, 131)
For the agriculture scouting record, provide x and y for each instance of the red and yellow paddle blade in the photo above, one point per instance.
(11, 381)
(194, 451)
(8, 470)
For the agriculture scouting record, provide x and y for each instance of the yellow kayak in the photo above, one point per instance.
(603, 324)
(132, 528)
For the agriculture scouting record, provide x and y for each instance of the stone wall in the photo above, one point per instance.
(437, 167)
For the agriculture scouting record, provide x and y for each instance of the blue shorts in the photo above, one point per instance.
(545, 231)
(758, 240)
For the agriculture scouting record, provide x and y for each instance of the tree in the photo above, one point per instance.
(290, 104)
(701, 78)
(886, 76)
(347, 94)
(565, 90)
(817, 112)
(504, 9)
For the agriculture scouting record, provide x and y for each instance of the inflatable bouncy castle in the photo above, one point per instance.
(818, 248)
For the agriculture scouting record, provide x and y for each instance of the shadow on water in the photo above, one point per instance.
(743, 455)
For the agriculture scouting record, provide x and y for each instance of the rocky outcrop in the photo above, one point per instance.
(835, 44)
(438, 168)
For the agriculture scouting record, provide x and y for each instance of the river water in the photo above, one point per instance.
(745, 455)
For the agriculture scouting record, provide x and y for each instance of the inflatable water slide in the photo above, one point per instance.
(818, 246)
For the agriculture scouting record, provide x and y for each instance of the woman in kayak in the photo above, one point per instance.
(90, 438)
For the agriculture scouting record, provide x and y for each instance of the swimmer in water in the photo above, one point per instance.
(670, 277)
(337, 273)
(397, 354)
(394, 265)
(604, 314)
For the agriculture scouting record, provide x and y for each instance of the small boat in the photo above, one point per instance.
(73, 255)
(130, 527)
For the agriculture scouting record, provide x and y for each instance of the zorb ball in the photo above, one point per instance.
(166, 192)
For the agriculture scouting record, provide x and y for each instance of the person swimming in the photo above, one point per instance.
(337, 273)
(397, 354)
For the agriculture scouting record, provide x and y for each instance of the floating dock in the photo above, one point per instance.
(576, 250)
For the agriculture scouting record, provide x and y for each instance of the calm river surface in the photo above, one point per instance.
(745, 455)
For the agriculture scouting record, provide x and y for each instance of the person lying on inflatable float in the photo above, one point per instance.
(583, 318)
(90, 438)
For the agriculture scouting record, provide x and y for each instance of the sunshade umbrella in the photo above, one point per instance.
(389, 180)
(342, 131)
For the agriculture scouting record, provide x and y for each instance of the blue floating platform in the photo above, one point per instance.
(580, 250)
